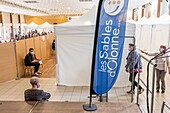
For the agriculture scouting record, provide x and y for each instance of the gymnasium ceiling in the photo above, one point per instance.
(54, 7)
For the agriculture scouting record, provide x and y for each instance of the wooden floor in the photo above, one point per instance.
(64, 107)
(48, 68)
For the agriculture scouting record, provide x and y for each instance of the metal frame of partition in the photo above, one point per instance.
(153, 83)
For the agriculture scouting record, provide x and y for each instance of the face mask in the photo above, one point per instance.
(160, 49)
(32, 53)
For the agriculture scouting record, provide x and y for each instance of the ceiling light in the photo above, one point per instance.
(31, 1)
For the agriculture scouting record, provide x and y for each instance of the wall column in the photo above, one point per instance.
(159, 8)
(143, 11)
(19, 22)
(12, 27)
(133, 14)
(147, 10)
(1, 21)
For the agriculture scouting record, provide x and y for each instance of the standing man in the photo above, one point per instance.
(132, 67)
(163, 63)
(31, 60)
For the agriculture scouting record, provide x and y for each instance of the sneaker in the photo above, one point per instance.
(157, 91)
(163, 92)
(39, 72)
(130, 92)
(36, 74)
(141, 91)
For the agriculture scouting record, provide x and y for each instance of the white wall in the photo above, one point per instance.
(164, 7)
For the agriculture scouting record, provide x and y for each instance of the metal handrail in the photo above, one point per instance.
(163, 106)
(152, 62)
(153, 81)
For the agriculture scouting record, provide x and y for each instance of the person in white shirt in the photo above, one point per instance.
(163, 63)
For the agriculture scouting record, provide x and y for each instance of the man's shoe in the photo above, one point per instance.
(130, 92)
(163, 92)
(39, 72)
(157, 91)
(36, 74)
(141, 91)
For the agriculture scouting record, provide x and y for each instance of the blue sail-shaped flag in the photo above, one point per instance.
(110, 36)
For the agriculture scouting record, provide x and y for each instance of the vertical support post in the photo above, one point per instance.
(15, 50)
(138, 80)
(162, 108)
(169, 33)
(107, 97)
(101, 99)
(133, 72)
(16, 59)
(153, 87)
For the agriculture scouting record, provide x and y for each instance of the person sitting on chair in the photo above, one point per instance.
(35, 94)
(31, 60)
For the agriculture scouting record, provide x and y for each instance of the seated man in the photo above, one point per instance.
(35, 94)
(31, 60)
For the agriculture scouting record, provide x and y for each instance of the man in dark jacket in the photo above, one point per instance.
(35, 94)
(133, 63)
(31, 60)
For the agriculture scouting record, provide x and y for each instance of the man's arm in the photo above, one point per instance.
(152, 54)
(149, 54)
(46, 96)
(37, 58)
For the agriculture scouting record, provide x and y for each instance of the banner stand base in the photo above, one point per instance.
(87, 107)
(92, 96)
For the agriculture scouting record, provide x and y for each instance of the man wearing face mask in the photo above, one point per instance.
(133, 63)
(162, 66)
(35, 94)
(31, 60)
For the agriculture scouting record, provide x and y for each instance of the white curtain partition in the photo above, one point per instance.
(152, 33)
(138, 35)
(160, 36)
(145, 39)
(74, 51)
